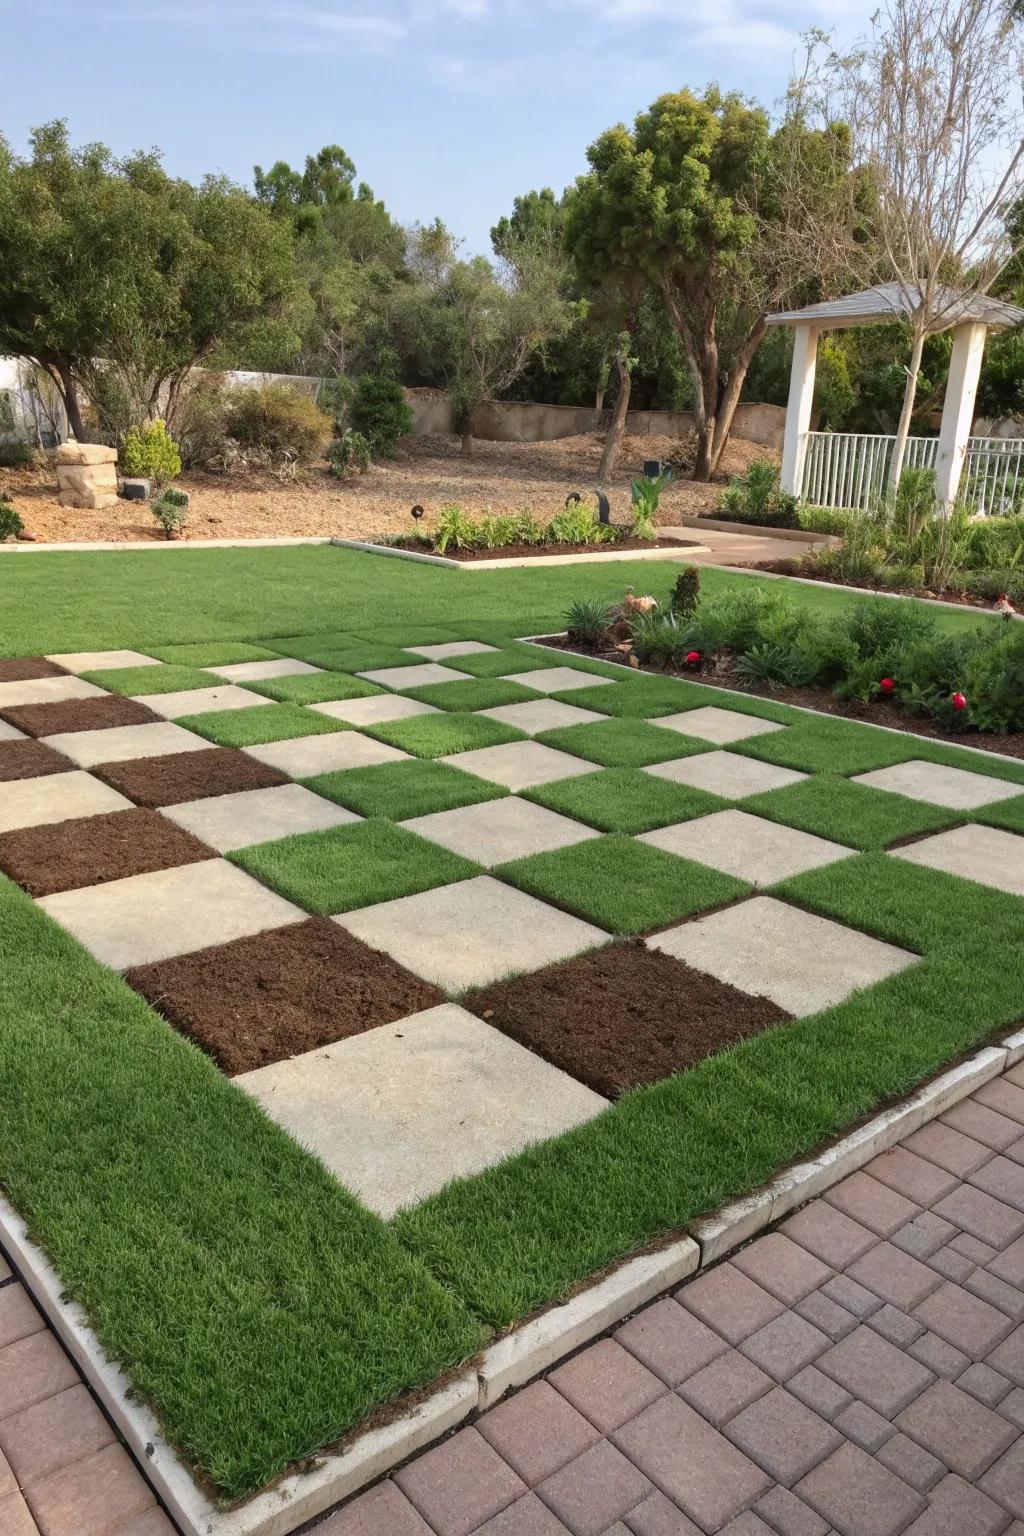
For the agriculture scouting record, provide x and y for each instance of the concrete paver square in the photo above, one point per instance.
(398, 1111)
(746, 846)
(519, 764)
(47, 690)
(57, 797)
(541, 715)
(449, 649)
(10, 732)
(984, 854)
(305, 756)
(374, 710)
(200, 701)
(102, 661)
(801, 961)
(170, 912)
(955, 788)
(721, 726)
(257, 816)
(121, 743)
(420, 676)
(499, 830)
(257, 671)
(471, 933)
(557, 679)
(726, 774)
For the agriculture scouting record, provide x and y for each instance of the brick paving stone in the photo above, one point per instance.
(995, 1131)
(728, 1302)
(819, 1392)
(973, 1248)
(724, 1387)
(788, 1515)
(536, 1431)
(460, 1484)
(982, 1382)
(31, 1369)
(529, 1517)
(826, 1315)
(785, 1346)
(864, 1426)
(783, 1436)
(952, 1265)
(1001, 1095)
(948, 1148)
(855, 1298)
(782, 1267)
(8, 1481)
(965, 1321)
(607, 1384)
(18, 1315)
(5, 1269)
(1002, 1178)
(895, 1276)
(1015, 1150)
(957, 1429)
(1009, 1265)
(1007, 1357)
(54, 1433)
(982, 1215)
(1012, 1407)
(828, 1234)
(939, 1356)
(915, 1177)
(896, 1326)
(957, 1509)
(912, 1462)
(1005, 1480)
(858, 1496)
(997, 1293)
(92, 1497)
(152, 1522)
(872, 1204)
(593, 1490)
(925, 1235)
(695, 1465)
(670, 1341)
(15, 1518)
(658, 1516)
(747, 1524)
(384, 1511)
(873, 1370)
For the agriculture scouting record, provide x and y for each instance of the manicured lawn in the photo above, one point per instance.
(167, 679)
(402, 790)
(854, 814)
(624, 800)
(474, 693)
(261, 723)
(313, 687)
(218, 653)
(443, 735)
(622, 743)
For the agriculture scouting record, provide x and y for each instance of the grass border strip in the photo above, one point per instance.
(520, 561)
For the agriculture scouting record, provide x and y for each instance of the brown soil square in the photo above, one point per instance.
(78, 715)
(30, 760)
(91, 850)
(623, 1016)
(278, 994)
(21, 669)
(181, 776)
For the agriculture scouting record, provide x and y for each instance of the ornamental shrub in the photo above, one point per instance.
(15, 453)
(756, 498)
(379, 411)
(348, 452)
(278, 420)
(150, 453)
(10, 522)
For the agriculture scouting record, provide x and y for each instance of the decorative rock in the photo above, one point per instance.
(86, 453)
(86, 475)
(136, 490)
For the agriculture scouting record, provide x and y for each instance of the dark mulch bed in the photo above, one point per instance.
(181, 776)
(98, 714)
(30, 760)
(263, 999)
(874, 712)
(809, 573)
(91, 850)
(623, 1016)
(532, 551)
(20, 669)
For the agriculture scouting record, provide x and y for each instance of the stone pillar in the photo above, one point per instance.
(958, 409)
(86, 475)
(798, 409)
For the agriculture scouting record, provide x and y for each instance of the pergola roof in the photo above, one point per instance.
(890, 301)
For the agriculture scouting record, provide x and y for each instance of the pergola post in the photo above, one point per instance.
(798, 409)
(958, 409)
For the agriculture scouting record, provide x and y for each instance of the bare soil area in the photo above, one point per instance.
(500, 477)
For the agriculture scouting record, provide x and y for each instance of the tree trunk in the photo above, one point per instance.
(731, 395)
(599, 401)
(617, 428)
(899, 447)
(69, 394)
(467, 443)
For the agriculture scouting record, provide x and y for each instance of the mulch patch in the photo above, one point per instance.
(180, 776)
(68, 855)
(30, 760)
(97, 714)
(275, 995)
(623, 1016)
(21, 669)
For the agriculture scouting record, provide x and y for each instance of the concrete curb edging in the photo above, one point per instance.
(839, 586)
(759, 530)
(106, 546)
(534, 561)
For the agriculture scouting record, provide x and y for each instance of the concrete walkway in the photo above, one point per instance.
(859, 1370)
(742, 547)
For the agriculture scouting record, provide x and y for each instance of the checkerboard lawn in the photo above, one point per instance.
(330, 1308)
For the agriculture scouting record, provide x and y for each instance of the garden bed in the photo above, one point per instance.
(924, 594)
(540, 551)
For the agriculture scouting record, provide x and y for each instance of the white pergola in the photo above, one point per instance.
(969, 318)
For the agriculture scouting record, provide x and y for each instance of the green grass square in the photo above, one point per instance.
(639, 698)
(212, 653)
(854, 814)
(313, 687)
(300, 646)
(829, 746)
(624, 800)
(503, 662)
(353, 866)
(401, 790)
(472, 693)
(622, 885)
(442, 735)
(404, 635)
(262, 723)
(163, 679)
(620, 743)
(1007, 813)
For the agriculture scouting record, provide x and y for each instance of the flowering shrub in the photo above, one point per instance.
(151, 453)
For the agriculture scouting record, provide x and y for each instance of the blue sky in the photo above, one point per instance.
(448, 107)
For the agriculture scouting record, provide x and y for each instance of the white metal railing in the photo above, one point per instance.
(851, 469)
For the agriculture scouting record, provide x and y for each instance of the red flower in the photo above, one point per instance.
(887, 685)
(693, 658)
(958, 701)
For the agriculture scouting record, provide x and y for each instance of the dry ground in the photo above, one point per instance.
(500, 476)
